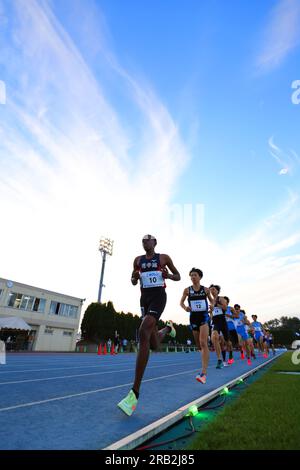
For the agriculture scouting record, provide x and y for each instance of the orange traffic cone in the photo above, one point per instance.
(104, 349)
(99, 349)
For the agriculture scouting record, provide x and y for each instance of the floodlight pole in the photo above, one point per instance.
(103, 253)
(105, 248)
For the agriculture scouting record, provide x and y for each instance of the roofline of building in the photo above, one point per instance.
(42, 290)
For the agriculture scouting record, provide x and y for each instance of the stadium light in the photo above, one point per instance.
(105, 248)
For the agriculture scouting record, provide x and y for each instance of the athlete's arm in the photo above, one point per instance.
(166, 261)
(135, 273)
(184, 296)
(222, 302)
(209, 296)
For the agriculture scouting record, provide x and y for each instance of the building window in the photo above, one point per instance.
(26, 302)
(54, 308)
(67, 333)
(63, 310)
(41, 307)
(11, 299)
(1, 290)
(14, 300)
(48, 331)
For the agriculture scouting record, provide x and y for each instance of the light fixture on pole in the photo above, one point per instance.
(105, 248)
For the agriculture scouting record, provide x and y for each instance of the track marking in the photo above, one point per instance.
(69, 368)
(34, 403)
(84, 375)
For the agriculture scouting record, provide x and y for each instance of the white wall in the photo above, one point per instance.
(56, 341)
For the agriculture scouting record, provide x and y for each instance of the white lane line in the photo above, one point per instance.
(73, 367)
(34, 403)
(85, 375)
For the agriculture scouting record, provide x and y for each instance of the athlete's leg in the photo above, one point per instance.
(223, 347)
(203, 337)
(261, 344)
(229, 348)
(157, 337)
(145, 332)
(251, 347)
(196, 335)
(215, 337)
(265, 347)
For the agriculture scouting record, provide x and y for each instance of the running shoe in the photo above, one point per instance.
(249, 362)
(219, 364)
(230, 361)
(173, 331)
(128, 404)
(266, 356)
(201, 378)
(242, 356)
(225, 364)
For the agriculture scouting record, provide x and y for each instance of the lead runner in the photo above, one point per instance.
(151, 270)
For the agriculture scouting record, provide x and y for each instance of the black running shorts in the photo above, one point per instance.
(219, 324)
(197, 319)
(233, 337)
(153, 301)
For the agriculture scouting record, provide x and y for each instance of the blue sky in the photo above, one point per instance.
(121, 117)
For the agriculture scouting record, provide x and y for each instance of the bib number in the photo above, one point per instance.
(217, 311)
(152, 279)
(198, 306)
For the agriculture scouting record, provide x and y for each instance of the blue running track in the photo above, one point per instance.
(68, 401)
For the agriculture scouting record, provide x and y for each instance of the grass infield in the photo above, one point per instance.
(266, 416)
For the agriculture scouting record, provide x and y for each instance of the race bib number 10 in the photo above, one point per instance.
(152, 279)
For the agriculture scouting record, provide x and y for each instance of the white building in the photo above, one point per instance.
(54, 317)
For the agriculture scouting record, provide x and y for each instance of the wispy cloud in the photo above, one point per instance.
(67, 175)
(287, 160)
(265, 266)
(280, 36)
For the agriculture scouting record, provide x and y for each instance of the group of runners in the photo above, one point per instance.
(211, 318)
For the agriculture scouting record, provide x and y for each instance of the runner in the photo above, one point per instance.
(233, 342)
(241, 331)
(219, 323)
(269, 341)
(199, 318)
(151, 270)
(223, 348)
(258, 333)
(250, 331)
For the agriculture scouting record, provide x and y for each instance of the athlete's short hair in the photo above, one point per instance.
(237, 306)
(216, 287)
(198, 271)
(254, 316)
(226, 298)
